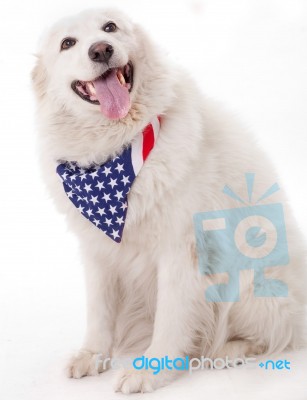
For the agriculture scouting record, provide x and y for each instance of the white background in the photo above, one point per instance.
(249, 54)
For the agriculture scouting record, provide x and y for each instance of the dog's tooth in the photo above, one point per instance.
(91, 88)
(121, 78)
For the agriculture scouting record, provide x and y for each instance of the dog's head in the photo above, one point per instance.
(100, 63)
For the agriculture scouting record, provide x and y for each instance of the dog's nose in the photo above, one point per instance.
(100, 52)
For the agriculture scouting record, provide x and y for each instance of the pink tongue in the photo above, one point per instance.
(114, 98)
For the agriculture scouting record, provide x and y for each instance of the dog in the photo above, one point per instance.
(100, 85)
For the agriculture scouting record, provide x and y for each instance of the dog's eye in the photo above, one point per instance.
(67, 43)
(110, 27)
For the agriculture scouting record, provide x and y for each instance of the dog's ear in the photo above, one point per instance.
(39, 78)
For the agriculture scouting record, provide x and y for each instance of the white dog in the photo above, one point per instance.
(101, 85)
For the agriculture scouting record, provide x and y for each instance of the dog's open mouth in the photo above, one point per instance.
(110, 90)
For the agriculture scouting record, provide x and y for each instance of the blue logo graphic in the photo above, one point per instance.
(246, 238)
(279, 364)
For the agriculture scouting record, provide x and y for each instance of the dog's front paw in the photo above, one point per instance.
(85, 363)
(133, 381)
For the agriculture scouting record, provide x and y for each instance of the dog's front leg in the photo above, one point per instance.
(100, 288)
(179, 297)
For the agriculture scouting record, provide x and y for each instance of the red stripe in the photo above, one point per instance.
(148, 140)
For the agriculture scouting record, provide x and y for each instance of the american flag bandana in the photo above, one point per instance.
(100, 192)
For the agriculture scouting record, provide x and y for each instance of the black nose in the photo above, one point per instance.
(100, 52)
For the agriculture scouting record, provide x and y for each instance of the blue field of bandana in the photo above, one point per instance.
(100, 192)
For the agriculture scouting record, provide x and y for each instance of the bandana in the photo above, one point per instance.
(100, 192)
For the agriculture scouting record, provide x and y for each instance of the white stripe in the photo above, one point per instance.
(156, 126)
(137, 153)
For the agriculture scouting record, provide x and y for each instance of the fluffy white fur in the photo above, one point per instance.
(146, 295)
